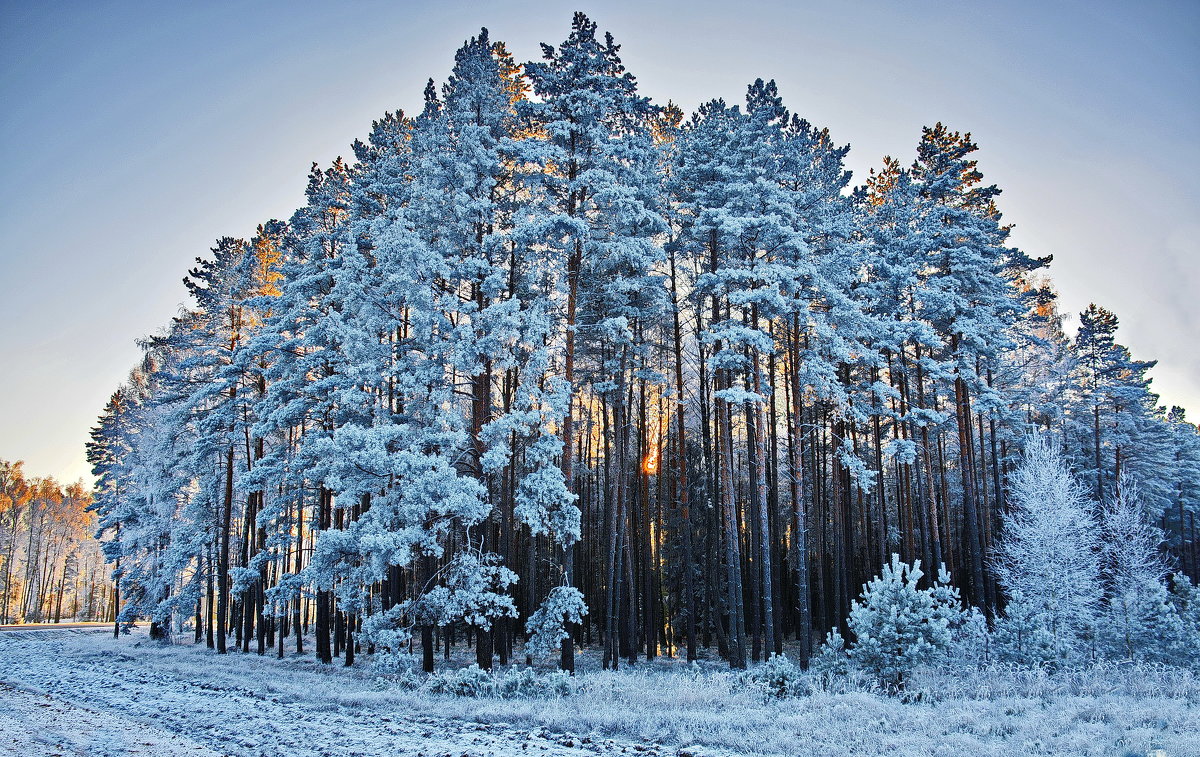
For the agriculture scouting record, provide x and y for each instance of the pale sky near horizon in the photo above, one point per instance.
(132, 135)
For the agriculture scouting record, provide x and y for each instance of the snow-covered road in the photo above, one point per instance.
(77, 693)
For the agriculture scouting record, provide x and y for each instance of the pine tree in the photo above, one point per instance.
(1046, 558)
(898, 626)
(1185, 472)
(1116, 412)
(592, 218)
(109, 452)
(969, 298)
(1139, 619)
(1095, 343)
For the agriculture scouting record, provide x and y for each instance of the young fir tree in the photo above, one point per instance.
(898, 626)
(1185, 596)
(1047, 560)
(1139, 621)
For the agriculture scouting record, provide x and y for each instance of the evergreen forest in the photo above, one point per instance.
(549, 367)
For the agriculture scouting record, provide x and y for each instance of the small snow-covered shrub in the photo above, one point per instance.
(515, 683)
(397, 669)
(409, 679)
(510, 684)
(1023, 634)
(392, 663)
(970, 639)
(526, 683)
(831, 658)
(472, 681)
(778, 676)
(899, 626)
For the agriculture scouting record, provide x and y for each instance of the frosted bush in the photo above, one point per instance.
(393, 664)
(831, 658)
(898, 626)
(778, 676)
(522, 683)
(526, 683)
(472, 681)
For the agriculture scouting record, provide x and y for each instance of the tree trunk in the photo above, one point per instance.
(223, 557)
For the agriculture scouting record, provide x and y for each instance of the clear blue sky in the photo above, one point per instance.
(132, 135)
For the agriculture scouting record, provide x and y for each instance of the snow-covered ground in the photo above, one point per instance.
(83, 693)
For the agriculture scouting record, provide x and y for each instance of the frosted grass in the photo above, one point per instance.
(669, 707)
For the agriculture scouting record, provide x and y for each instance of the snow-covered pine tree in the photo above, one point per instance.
(215, 387)
(1046, 559)
(1114, 418)
(109, 453)
(890, 292)
(591, 219)
(266, 529)
(423, 309)
(181, 524)
(1094, 345)
(1185, 472)
(137, 454)
(1185, 596)
(969, 297)
(301, 341)
(467, 189)
(1139, 621)
(759, 209)
(898, 626)
(1036, 373)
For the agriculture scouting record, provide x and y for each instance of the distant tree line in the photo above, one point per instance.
(51, 569)
(549, 363)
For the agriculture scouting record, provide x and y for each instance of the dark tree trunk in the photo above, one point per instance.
(223, 559)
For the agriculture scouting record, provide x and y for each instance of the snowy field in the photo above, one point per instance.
(80, 692)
